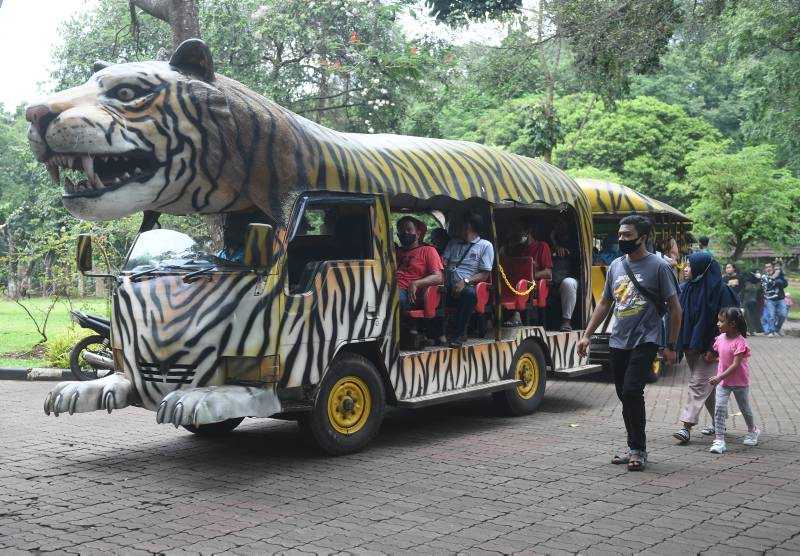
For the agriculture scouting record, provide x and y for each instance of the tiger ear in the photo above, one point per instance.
(194, 57)
(100, 65)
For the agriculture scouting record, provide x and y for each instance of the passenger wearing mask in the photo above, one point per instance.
(418, 264)
(702, 298)
(566, 263)
(469, 260)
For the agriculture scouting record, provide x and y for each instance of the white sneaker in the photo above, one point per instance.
(718, 447)
(751, 438)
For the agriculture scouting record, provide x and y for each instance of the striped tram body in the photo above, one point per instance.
(216, 146)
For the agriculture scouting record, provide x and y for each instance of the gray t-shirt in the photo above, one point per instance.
(636, 319)
(479, 258)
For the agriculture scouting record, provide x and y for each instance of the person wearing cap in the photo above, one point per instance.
(418, 264)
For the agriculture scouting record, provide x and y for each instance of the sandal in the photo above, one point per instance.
(683, 435)
(621, 459)
(638, 461)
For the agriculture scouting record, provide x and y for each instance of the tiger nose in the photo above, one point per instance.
(40, 116)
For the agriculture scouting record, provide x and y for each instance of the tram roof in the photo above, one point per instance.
(614, 199)
(422, 168)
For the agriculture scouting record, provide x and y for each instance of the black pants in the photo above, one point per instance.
(465, 306)
(632, 368)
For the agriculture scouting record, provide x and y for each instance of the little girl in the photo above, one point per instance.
(733, 376)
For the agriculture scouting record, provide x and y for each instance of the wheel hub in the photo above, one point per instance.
(349, 405)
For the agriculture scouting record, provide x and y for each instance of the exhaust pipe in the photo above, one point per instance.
(98, 361)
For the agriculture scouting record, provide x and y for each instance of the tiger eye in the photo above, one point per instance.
(125, 94)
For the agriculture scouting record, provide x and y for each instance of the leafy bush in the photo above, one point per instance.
(58, 348)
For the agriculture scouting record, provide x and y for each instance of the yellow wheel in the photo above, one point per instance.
(349, 405)
(528, 368)
(527, 372)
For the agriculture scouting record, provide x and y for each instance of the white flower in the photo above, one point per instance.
(372, 130)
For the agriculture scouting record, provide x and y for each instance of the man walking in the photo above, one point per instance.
(641, 287)
(775, 311)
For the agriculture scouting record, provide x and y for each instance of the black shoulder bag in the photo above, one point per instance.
(451, 268)
(659, 304)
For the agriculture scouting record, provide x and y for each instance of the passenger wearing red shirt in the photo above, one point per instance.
(418, 264)
(522, 243)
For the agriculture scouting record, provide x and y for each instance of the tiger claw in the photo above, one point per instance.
(113, 391)
(110, 401)
(162, 409)
(177, 414)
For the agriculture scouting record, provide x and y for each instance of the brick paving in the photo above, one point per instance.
(449, 479)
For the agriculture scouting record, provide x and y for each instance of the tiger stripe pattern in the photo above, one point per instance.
(177, 138)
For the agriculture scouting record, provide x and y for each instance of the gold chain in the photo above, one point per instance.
(512, 288)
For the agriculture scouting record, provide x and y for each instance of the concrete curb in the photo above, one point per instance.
(10, 373)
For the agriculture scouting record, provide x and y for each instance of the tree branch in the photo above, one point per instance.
(157, 8)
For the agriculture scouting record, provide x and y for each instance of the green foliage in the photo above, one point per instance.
(611, 41)
(460, 11)
(645, 142)
(58, 348)
(742, 198)
(525, 126)
(594, 173)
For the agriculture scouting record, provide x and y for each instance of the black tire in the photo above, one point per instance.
(524, 399)
(215, 429)
(85, 371)
(352, 380)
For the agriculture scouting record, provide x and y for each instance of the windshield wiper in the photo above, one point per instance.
(198, 273)
(143, 273)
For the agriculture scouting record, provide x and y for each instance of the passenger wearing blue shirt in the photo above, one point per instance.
(233, 235)
(468, 259)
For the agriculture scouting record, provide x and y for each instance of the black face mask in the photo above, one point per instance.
(406, 240)
(628, 246)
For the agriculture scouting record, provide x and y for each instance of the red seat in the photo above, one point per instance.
(431, 297)
(519, 271)
(483, 292)
(542, 291)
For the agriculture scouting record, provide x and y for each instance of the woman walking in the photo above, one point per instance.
(702, 298)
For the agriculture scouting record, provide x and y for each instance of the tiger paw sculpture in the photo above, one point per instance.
(214, 404)
(110, 392)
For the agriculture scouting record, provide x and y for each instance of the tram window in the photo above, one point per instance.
(328, 233)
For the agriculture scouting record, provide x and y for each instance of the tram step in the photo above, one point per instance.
(578, 371)
(451, 395)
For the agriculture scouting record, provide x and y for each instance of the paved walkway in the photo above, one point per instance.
(448, 479)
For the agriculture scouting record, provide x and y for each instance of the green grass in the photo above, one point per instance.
(18, 334)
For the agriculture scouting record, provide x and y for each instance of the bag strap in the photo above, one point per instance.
(650, 296)
(464, 256)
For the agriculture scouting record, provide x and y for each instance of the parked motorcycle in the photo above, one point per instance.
(92, 357)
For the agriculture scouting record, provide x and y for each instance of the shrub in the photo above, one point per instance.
(57, 349)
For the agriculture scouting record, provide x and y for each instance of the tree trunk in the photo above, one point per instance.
(183, 17)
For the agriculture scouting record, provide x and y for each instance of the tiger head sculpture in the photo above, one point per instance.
(169, 137)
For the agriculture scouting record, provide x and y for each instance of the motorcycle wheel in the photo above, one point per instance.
(81, 370)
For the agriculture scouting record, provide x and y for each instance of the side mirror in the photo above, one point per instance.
(83, 253)
(258, 245)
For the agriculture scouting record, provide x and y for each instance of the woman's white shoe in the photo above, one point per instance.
(718, 447)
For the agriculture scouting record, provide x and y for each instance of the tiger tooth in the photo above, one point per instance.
(126, 176)
(137, 170)
(88, 168)
(116, 180)
(54, 172)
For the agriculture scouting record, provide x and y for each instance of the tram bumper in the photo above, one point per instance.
(214, 404)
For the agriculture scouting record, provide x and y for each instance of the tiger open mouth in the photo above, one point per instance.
(92, 175)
